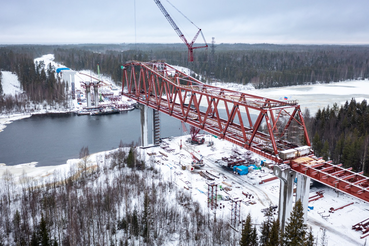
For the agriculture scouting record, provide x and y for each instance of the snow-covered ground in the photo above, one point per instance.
(11, 84)
(169, 158)
(337, 225)
(313, 96)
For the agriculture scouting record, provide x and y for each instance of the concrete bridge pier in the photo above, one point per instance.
(287, 178)
(144, 125)
(302, 191)
(88, 94)
(155, 134)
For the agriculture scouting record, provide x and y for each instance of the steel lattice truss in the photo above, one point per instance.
(231, 115)
(236, 117)
(345, 180)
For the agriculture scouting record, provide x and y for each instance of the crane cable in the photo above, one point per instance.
(182, 14)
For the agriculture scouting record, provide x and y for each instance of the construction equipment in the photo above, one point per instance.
(197, 162)
(179, 32)
(194, 138)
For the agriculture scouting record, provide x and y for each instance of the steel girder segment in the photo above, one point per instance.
(166, 89)
(336, 177)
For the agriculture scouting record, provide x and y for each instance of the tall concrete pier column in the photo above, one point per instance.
(286, 177)
(302, 191)
(144, 125)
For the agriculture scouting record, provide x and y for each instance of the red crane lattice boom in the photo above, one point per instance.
(180, 34)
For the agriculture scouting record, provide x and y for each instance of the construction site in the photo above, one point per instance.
(91, 95)
(272, 129)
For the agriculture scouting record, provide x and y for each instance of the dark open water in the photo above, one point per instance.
(51, 140)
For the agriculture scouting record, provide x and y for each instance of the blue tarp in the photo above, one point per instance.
(61, 68)
(241, 170)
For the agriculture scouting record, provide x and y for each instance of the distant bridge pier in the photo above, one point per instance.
(96, 93)
(88, 94)
(287, 178)
(302, 191)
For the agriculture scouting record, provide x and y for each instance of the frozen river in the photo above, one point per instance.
(314, 97)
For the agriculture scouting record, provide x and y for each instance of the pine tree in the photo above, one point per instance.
(309, 239)
(295, 230)
(145, 218)
(43, 233)
(131, 158)
(274, 238)
(135, 226)
(254, 237)
(266, 227)
(34, 240)
(246, 232)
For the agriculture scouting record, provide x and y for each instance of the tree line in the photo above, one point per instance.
(262, 65)
(341, 134)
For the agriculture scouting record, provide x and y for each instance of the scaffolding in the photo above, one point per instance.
(235, 212)
(156, 127)
(212, 196)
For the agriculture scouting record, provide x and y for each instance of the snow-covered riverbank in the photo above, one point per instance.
(169, 159)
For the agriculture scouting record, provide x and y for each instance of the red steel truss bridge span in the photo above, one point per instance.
(271, 128)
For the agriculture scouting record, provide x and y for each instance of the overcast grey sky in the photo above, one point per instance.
(141, 21)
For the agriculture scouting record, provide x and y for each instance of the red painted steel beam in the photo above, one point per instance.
(345, 180)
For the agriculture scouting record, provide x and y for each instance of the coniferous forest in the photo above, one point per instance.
(341, 134)
(262, 65)
(40, 85)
